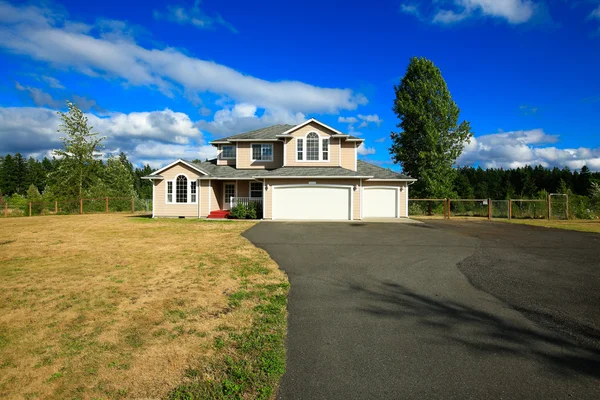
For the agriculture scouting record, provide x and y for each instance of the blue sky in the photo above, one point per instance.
(163, 79)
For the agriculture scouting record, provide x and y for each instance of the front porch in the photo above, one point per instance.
(230, 193)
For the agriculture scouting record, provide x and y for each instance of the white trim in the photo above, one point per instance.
(361, 199)
(264, 202)
(350, 193)
(179, 161)
(221, 151)
(406, 200)
(396, 188)
(150, 178)
(305, 148)
(339, 152)
(209, 197)
(261, 152)
(308, 122)
(189, 190)
(167, 191)
(313, 177)
(153, 203)
(199, 196)
(284, 151)
(394, 180)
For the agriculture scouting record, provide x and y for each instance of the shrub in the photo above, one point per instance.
(251, 211)
(239, 211)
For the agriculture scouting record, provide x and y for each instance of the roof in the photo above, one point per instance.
(275, 132)
(302, 172)
(365, 168)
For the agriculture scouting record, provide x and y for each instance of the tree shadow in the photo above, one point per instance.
(462, 325)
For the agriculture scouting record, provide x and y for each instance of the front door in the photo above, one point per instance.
(228, 193)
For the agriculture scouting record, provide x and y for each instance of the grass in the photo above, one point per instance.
(111, 307)
(573, 225)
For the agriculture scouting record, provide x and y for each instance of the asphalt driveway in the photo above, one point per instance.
(452, 310)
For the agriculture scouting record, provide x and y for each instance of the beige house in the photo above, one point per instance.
(305, 172)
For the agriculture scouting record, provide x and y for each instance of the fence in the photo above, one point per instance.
(22, 208)
(234, 201)
(555, 206)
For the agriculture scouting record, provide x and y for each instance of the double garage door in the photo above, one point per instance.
(323, 202)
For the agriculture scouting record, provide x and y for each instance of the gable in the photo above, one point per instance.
(312, 126)
(192, 168)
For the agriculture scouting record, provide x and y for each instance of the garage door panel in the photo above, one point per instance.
(311, 202)
(380, 203)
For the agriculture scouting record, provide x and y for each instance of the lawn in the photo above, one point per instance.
(573, 225)
(116, 306)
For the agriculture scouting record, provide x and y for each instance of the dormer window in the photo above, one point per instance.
(228, 152)
(312, 148)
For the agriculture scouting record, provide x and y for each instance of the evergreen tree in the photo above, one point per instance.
(118, 178)
(431, 139)
(8, 176)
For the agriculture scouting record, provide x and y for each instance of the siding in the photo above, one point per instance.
(161, 209)
(403, 194)
(244, 156)
(268, 213)
(334, 147)
(348, 155)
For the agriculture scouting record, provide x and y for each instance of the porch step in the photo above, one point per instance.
(219, 214)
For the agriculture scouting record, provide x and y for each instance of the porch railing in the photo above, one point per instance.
(234, 201)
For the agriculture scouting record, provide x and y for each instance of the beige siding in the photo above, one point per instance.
(353, 182)
(348, 157)
(221, 161)
(204, 195)
(403, 194)
(216, 195)
(243, 189)
(244, 156)
(334, 147)
(161, 209)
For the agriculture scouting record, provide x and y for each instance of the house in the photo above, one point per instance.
(305, 172)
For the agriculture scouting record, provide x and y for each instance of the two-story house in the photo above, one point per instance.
(310, 171)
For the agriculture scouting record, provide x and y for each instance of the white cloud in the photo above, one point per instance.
(596, 13)
(158, 154)
(520, 148)
(364, 150)
(194, 16)
(453, 11)
(244, 117)
(381, 139)
(347, 120)
(38, 96)
(53, 82)
(367, 119)
(44, 36)
(142, 135)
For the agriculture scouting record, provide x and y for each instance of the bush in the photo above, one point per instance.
(239, 211)
(251, 211)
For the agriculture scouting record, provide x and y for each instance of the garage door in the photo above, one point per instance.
(380, 202)
(311, 202)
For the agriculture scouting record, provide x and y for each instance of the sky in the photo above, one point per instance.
(162, 79)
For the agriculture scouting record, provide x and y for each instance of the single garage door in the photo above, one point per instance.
(312, 202)
(380, 202)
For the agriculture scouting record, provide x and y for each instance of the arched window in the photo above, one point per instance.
(312, 147)
(181, 189)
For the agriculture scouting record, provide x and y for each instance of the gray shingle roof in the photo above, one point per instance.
(270, 132)
(365, 168)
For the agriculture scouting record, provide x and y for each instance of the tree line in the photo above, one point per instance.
(75, 171)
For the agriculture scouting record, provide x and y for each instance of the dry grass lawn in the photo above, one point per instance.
(113, 306)
(573, 225)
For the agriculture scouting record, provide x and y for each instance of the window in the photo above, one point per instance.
(228, 152)
(312, 147)
(262, 152)
(169, 192)
(193, 196)
(300, 148)
(256, 189)
(325, 149)
(181, 188)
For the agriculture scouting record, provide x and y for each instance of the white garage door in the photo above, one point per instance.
(380, 202)
(312, 202)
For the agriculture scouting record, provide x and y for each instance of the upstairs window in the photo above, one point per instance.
(312, 147)
(228, 152)
(262, 152)
(181, 189)
(325, 150)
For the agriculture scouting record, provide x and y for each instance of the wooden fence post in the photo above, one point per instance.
(567, 206)
(449, 208)
(80, 206)
(55, 206)
(489, 208)
(30, 209)
(106, 204)
(132, 205)
(549, 201)
(509, 209)
(6, 208)
(445, 207)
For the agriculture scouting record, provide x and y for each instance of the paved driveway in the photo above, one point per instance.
(438, 310)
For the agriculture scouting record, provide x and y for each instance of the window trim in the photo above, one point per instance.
(174, 193)
(262, 145)
(304, 148)
(222, 157)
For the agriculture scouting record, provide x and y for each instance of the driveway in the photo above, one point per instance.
(445, 309)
